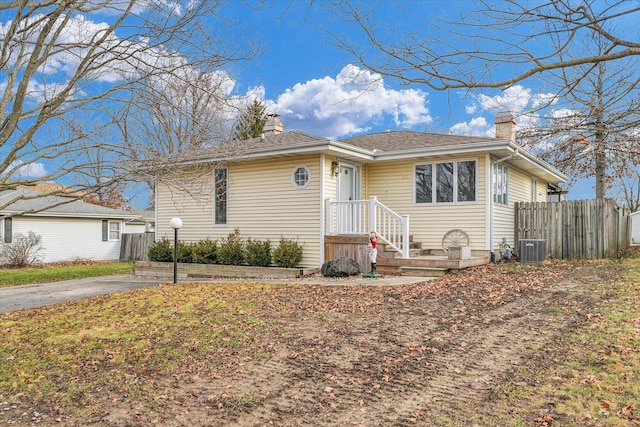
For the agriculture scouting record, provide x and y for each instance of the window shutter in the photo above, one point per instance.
(105, 230)
(7, 229)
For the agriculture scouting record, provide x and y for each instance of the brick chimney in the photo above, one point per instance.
(505, 126)
(273, 126)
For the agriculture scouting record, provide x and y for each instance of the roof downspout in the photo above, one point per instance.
(515, 154)
(322, 212)
(489, 204)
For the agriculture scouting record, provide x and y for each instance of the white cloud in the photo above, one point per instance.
(477, 126)
(114, 60)
(27, 170)
(349, 104)
(516, 99)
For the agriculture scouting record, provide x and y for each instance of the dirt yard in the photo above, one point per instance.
(428, 354)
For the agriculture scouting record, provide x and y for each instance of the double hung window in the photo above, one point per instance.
(110, 230)
(500, 184)
(446, 182)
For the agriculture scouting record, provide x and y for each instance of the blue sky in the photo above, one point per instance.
(316, 88)
(303, 77)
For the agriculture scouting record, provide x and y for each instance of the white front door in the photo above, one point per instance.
(347, 191)
(346, 183)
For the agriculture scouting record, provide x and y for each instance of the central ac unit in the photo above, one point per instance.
(532, 250)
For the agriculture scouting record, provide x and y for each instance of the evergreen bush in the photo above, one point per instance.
(288, 254)
(205, 252)
(231, 250)
(258, 252)
(185, 252)
(161, 251)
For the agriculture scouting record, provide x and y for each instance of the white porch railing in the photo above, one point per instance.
(362, 216)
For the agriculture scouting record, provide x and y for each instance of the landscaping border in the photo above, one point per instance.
(198, 271)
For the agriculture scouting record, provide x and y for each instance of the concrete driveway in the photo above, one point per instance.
(29, 296)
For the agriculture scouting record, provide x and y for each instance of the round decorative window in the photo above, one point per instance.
(301, 176)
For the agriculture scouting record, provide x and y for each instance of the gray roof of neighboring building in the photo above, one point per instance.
(35, 203)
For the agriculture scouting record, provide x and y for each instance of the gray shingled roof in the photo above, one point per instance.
(237, 149)
(51, 205)
(384, 141)
(383, 146)
(406, 140)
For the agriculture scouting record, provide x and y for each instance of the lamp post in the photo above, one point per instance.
(175, 223)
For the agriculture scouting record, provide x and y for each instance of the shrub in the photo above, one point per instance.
(288, 254)
(185, 252)
(205, 252)
(231, 250)
(161, 251)
(258, 252)
(23, 251)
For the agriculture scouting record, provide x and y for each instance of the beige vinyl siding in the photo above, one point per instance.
(503, 225)
(520, 190)
(194, 206)
(393, 184)
(542, 191)
(263, 203)
(330, 181)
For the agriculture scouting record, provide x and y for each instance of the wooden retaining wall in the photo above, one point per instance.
(189, 270)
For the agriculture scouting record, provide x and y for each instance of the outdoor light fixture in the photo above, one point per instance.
(175, 223)
(335, 168)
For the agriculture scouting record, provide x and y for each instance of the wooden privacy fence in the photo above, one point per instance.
(590, 229)
(135, 246)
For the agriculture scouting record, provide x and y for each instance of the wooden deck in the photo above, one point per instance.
(422, 262)
(427, 265)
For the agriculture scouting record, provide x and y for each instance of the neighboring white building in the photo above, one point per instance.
(70, 229)
(635, 227)
(145, 223)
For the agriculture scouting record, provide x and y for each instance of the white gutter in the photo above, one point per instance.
(509, 157)
(344, 149)
(68, 215)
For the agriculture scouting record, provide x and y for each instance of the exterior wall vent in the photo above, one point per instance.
(532, 250)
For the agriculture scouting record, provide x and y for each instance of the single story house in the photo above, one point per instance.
(405, 185)
(70, 228)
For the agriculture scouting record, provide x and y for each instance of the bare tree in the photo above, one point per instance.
(626, 192)
(174, 118)
(585, 50)
(590, 130)
(64, 64)
(495, 45)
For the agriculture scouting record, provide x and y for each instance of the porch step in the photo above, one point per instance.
(422, 271)
(415, 249)
(414, 253)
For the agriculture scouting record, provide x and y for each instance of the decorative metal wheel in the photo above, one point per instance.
(455, 237)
